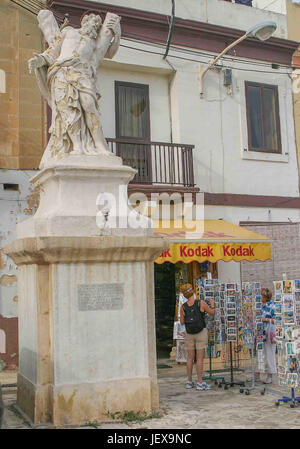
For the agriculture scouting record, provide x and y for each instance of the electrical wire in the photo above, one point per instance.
(201, 53)
(38, 6)
(204, 62)
(269, 4)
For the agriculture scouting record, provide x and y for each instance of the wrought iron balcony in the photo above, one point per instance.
(156, 162)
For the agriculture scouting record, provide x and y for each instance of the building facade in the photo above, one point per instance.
(22, 139)
(293, 20)
(233, 148)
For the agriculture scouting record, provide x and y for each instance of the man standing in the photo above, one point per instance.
(192, 314)
(67, 77)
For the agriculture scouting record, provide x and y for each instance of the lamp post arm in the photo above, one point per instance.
(204, 71)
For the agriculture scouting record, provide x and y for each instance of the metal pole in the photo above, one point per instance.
(203, 71)
(231, 362)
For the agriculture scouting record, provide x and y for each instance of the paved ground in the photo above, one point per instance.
(184, 409)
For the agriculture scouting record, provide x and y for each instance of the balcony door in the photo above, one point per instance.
(133, 128)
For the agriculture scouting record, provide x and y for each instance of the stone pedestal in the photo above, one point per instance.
(86, 303)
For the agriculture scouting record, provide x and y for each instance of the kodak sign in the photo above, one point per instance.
(212, 252)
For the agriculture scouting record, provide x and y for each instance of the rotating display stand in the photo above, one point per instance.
(287, 294)
(207, 289)
(251, 327)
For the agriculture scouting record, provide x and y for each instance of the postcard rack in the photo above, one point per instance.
(287, 303)
(252, 329)
(207, 289)
(211, 376)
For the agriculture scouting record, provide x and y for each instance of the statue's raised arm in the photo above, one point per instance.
(108, 41)
(40, 62)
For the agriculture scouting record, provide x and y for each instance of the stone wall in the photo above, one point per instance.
(22, 140)
(21, 107)
(285, 255)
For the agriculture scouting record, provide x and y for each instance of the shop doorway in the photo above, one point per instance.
(165, 303)
(168, 278)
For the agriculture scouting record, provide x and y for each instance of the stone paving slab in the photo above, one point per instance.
(192, 409)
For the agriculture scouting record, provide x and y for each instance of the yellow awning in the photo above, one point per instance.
(210, 240)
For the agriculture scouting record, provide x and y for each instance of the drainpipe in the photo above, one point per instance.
(171, 28)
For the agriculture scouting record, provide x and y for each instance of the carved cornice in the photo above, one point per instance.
(48, 250)
(153, 27)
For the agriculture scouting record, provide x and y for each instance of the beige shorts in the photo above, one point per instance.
(196, 341)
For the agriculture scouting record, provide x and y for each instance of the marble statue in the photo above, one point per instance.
(67, 77)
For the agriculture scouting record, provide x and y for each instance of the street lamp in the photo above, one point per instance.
(261, 31)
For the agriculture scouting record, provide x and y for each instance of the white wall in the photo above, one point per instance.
(15, 206)
(158, 94)
(278, 6)
(216, 12)
(216, 124)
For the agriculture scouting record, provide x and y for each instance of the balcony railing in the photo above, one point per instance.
(156, 162)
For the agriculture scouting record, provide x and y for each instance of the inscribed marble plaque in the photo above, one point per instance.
(100, 297)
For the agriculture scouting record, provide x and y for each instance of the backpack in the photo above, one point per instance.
(193, 318)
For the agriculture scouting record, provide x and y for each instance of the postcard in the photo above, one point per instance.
(231, 287)
(278, 286)
(291, 364)
(278, 308)
(287, 286)
(231, 337)
(231, 312)
(297, 284)
(179, 331)
(291, 348)
(288, 299)
(231, 324)
(288, 333)
(278, 297)
(288, 318)
(209, 293)
(180, 352)
(231, 293)
(209, 282)
(260, 326)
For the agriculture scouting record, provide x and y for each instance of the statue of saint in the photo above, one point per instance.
(67, 77)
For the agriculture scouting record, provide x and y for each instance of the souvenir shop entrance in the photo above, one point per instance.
(194, 252)
(167, 278)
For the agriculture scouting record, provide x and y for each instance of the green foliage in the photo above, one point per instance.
(130, 416)
(92, 424)
(2, 365)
